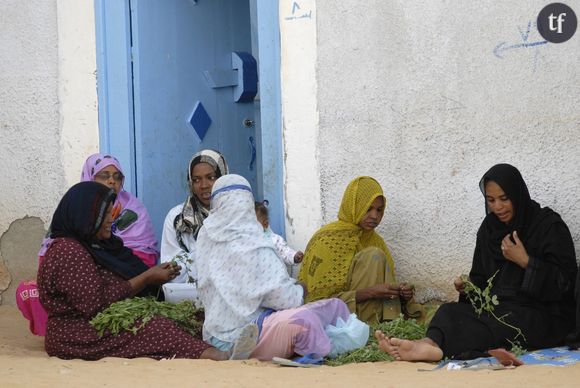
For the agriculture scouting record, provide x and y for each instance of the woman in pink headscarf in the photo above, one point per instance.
(132, 224)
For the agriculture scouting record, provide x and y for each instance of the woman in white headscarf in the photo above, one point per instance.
(241, 280)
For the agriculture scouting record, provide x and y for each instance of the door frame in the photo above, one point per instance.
(116, 101)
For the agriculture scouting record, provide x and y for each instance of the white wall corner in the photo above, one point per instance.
(300, 120)
(77, 85)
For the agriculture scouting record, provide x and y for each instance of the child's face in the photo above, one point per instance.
(262, 219)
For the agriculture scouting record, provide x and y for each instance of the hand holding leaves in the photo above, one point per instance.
(406, 291)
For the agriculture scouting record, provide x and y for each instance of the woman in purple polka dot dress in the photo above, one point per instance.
(86, 269)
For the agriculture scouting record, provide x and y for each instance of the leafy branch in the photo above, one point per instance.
(185, 262)
(483, 300)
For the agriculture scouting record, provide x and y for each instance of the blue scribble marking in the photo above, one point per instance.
(502, 47)
(537, 58)
(295, 7)
(499, 49)
(525, 35)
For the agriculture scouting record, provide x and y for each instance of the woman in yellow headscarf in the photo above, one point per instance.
(347, 259)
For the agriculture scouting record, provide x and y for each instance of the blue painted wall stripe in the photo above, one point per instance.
(115, 86)
(271, 179)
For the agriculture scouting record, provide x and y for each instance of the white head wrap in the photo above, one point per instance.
(239, 274)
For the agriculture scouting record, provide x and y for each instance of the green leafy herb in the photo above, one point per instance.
(401, 328)
(185, 262)
(134, 313)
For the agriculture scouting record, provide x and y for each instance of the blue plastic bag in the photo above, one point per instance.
(347, 336)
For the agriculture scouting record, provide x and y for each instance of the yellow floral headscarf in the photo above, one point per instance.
(330, 251)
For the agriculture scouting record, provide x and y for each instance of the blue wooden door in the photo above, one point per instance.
(187, 75)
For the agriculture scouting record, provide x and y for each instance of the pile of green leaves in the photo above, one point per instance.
(401, 328)
(134, 313)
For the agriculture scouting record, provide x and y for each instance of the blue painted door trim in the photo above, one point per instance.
(115, 85)
(271, 161)
(116, 105)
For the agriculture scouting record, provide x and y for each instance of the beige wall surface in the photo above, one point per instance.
(48, 120)
(424, 97)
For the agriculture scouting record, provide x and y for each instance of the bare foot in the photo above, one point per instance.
(406, 350)
(214, 354)
(385, 345)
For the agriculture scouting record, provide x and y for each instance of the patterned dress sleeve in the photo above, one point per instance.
(283, 249)
(85, 286)
(281, 291)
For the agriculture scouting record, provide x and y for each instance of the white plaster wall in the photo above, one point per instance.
(30, 160)
(412, 94)
(300, 120)
(77, 85)
(48, 112)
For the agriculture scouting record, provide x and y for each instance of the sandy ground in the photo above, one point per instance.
(23, 363)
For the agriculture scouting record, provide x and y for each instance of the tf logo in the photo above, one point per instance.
(557, 22)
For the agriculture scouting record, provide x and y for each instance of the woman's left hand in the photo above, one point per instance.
(515, 252)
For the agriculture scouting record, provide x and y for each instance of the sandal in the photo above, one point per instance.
(246, 342)
(307, 361)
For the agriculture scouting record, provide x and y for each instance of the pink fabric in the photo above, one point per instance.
(139, 235)
(150, 259)
(28, 302)
(299, 330)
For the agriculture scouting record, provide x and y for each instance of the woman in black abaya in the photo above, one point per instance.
(531, 252)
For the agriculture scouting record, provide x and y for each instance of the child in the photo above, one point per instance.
(289, 256)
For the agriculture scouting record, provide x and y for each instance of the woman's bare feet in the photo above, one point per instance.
(214, 354)
(406, 350)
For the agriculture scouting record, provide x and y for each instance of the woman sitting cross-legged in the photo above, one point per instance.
(131, 223)
(241, 280)
(347, 259)
(86, 269)
(529, 252)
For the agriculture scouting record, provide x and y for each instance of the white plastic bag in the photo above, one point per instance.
(346, 336)
(176, 292)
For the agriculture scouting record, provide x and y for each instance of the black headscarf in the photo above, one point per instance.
(525, 210)
(80, 214)
(532, 223)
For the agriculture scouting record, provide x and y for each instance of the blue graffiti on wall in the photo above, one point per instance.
(296, 15)
(503, 47)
